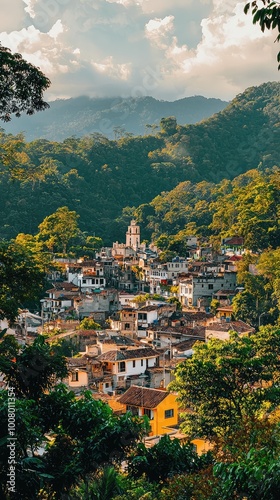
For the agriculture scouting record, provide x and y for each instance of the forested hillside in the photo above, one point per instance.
(248, 206)
(98, 177)
(113, 117)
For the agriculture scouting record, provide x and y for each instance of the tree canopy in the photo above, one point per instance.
(21, 86)
(59, 228)
(21, 279)
(226, 382)
(266, 13)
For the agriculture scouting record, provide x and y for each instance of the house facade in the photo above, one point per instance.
(127, 364)
(158, 405)
(195, 288)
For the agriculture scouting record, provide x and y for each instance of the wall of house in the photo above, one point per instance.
(216, 334)
(150, 317)
(140, 365)
(201, 446)
(204, 286)
(82, 379)
(160, 423)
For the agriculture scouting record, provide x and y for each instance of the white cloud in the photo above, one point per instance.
(158, 31)
(141, 47)
(108, 67)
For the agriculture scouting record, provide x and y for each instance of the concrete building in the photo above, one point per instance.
(196, 288)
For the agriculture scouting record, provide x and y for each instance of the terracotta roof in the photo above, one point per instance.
(86, 333)
(82, 361)
(235, 240)
(143, 397)
(225, 326)
(118, 340)
(63, 285)
(197, 330)
(142, 352)
(235, 258)
(187, 344)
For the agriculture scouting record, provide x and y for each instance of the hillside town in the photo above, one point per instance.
(139, 250)
(144, 317)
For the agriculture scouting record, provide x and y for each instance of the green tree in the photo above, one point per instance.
(83, 437)
(214, 305)
(175, 300)
(104, 485)
(89, 324)
(21, 86)
(89, 434)
(266, 13)
(59, 228)
(225, 382)
(255, 477)
(244, 307)
(166, 458)
(168, 125)
(21, 278)
(33, 369)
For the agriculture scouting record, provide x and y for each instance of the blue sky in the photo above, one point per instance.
(163, 48)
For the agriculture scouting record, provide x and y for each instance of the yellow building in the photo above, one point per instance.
(159, 405)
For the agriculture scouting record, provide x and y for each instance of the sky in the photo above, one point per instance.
(167, 49)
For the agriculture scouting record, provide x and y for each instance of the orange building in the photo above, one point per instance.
(159, 405)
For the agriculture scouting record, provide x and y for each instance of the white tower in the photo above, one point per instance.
(133, 235)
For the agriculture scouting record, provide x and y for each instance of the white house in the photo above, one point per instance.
(125, 364)
(165, 274)
(87, 275)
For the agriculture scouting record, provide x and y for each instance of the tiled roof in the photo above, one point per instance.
(86, 333)
(63, 285)
(148, 308)
(142, 352)
(235, 240)
(187, 344)
(190, 315)
(143, 397)
(225, 326)
(235, 258)
(118, 340)
(82, 361)
(179, 331)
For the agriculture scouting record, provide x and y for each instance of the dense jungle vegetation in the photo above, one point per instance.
(104, 180)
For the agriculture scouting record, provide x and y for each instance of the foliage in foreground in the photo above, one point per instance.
(226, 382)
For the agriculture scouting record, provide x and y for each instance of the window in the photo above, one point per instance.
(133, 409)
(142, 316)
(169, 413)
(142, 362)
(148, 412)
(101, 281)
(134, 363)
(84, 282)
(122, 366)
(75, 376)
(210, 286)
(107, 385)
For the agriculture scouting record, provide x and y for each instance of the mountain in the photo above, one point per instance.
(84, 115)
(104, 180)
